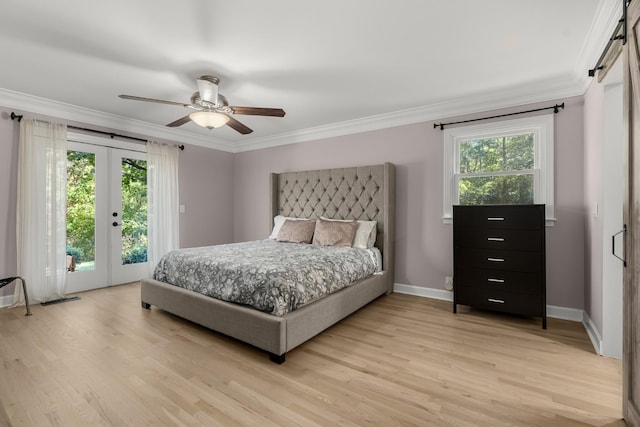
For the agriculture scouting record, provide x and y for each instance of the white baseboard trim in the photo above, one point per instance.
(420, 291)
(564, 313)
(593, 333)
(6, 301)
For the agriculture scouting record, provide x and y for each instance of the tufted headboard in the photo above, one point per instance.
(363, 192)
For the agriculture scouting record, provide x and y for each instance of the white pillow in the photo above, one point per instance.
(366, 233)
(278, 220)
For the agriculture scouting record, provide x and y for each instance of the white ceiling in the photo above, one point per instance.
(334, 66)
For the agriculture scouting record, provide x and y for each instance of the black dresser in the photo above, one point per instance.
(499, 259)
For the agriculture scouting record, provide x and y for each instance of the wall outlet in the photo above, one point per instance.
(448, 283)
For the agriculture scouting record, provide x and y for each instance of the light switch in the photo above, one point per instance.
(182, 209)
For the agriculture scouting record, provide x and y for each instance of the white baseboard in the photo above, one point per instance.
(420, 291)
(565, 313)
(6, 301)
(593, 333)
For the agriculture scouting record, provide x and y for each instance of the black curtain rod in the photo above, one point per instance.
(112, 135)
(622, 23)
(556, 109)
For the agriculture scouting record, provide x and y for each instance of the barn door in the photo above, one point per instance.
(631, 342)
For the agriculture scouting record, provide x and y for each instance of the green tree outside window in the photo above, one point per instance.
(497, 170)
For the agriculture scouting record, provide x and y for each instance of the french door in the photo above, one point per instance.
(106, 215)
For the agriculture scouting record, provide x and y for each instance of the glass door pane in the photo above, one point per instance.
(128, 212)
(134, 211)
(87, 198)
(81, 211)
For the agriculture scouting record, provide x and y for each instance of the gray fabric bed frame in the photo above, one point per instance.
(366, 193)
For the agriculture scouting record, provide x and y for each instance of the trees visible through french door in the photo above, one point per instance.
(106, 213)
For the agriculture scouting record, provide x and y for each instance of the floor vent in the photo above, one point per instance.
(61, 300)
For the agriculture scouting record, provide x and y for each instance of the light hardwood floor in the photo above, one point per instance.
(401, 360)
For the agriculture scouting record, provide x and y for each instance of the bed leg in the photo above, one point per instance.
(277, 358)
(146, 306)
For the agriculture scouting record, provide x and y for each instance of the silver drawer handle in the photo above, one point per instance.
(497, 301)
(495, 259)
(495, 239)
(495, 218)
(490, 279)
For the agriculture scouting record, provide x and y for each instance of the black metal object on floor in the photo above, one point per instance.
(59, 301)
(4, 282)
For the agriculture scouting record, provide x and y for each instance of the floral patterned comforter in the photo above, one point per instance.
(270, 276)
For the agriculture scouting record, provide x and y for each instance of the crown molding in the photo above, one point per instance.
(540, 91)
(605, 20)
(498, 99)
(36, 105)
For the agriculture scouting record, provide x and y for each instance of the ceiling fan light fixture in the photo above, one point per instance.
(209, 119)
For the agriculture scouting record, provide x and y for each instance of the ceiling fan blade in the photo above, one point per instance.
(237, 126)
(256, 111)
(179, 122)
(159, 101)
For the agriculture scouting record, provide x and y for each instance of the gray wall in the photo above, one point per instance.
(423, 243)
(206, 191)
(8, 198)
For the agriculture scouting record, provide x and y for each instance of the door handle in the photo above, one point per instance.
(613, 245)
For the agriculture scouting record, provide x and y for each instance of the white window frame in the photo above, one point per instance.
(542, 129)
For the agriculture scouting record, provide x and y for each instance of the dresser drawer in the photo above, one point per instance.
(519, 217)
(507, 302)
(498, 280)
(496, 238)
(494, 259)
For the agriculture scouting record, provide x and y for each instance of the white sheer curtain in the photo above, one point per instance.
(163, 203)
(42, 209)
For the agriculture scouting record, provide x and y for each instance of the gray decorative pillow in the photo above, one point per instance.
(296, 231)
(365, 233)
(334, 233)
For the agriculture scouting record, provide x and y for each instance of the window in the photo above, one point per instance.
(508, 162)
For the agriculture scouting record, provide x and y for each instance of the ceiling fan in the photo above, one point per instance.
(211, 108)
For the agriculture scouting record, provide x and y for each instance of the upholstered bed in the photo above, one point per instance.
(358, 193)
